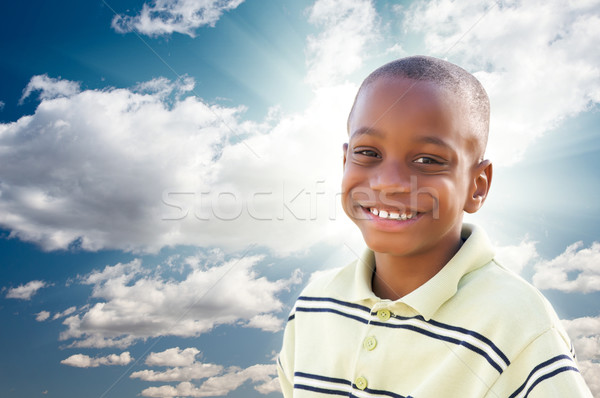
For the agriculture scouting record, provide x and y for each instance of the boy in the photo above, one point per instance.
(426, 312)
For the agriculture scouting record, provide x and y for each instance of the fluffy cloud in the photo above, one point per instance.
(173, 357)
(42, 316)
(516, 257)
(65, 313)
(193, 371)
(575, 270)
(261, 375)
(585, 334)
(84, 361)
(27, 291)
(75, 174)
(50, 88)
(347, 28)
(163, 17)
(535, 58)
(163, 87)
(185, 367)
(265, 322)
(133, 305)
(204, 172)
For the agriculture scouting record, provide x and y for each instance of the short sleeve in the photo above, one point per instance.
(545, 368)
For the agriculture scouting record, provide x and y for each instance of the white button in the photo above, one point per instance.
(361, 383)
(383, 315)
(370, 343)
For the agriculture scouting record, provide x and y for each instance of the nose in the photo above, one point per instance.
(391, 177)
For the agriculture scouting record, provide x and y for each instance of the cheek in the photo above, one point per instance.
(452, 196)
(350, 178)
(438, 192)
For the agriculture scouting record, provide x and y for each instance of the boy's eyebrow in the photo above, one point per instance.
(430, 139)
(367, 131)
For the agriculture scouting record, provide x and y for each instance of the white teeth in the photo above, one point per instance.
(392, 215)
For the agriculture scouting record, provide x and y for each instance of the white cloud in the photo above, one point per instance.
(184, 366)
(163, 87)
(265, 322)
(50, 88)
(74, 173)
(133, 305)
(173, 357)
(163, 17)
(537, 60)
(397, 50)
(269, 386)
(42, 316)
(65, 313)
(574, 270)
(122, 272)
(585, 335)
(84, 361)
(216, 386)
(516, 257)
(27, 291)
(348, 26)
(2, 105)
(190, 372)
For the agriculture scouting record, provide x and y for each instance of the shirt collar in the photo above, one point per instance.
(475, 252)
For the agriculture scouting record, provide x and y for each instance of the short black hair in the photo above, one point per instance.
(446, 75)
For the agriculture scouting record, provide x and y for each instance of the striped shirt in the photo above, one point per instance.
(473, 330)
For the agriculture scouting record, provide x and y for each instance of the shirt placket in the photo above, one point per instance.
(380, 312)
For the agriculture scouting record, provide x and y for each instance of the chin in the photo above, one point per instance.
(387, 245)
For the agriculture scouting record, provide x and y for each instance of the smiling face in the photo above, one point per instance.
(411, 167)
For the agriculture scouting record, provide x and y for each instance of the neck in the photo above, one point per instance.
(396, 276)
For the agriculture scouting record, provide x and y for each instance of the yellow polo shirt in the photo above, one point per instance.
(473, 330)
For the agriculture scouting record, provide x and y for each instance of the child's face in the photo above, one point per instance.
(411, 167)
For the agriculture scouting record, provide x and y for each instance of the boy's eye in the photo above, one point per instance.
(427, 160)
(367, 152)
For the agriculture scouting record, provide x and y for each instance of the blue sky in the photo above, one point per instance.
(170, 173)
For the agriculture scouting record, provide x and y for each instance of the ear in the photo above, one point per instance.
(345, 149)
(480, 186)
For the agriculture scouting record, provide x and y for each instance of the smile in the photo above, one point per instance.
(391, 215)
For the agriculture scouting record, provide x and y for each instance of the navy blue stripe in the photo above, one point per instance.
(340, 302)
(459, 329)
(473, 334)
(356, 318)
(321, 390)
(468, 332)
(322, 378)
(549, 375)
(383, 392)
(444, 338)
(291, 317)
(339, 381)
(419, 317)
(538, 367)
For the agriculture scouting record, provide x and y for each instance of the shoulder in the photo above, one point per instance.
(504, 302)
(508, 293)
(333, 282)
